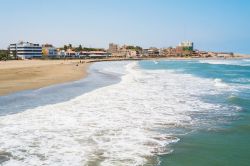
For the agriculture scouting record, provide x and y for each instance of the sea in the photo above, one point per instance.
(133, 113)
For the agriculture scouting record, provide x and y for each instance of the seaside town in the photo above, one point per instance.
(125, 83)
(28, 50)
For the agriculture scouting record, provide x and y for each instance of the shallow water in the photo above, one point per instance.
(133, 113)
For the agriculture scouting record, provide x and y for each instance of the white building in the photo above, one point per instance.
(187, 44)
(61, 53)
(26, 50)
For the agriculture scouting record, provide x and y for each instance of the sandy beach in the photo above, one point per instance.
(33, 74)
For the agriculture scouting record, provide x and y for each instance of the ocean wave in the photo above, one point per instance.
(246, 60)
(226, 62)
(119, 124)
(219, 83)
(242, 80)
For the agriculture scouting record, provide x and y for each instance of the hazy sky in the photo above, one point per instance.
(219, 25)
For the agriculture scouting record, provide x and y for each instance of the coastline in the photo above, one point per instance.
(17, 76)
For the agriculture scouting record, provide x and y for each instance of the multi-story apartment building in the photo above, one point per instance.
(25, 50)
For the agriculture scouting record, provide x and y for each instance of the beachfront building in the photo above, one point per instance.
(125, 51)
(185, 48)
(151, 52)
(225, 54)
(131, 54)
(188, 45)
(162, 52)
(169, 52)
(117, 51)
(61, 53)
(99, 54)
(145, 52)
(49, 51)
(25, 50)
(94, 54)
(113, 48)
(71, 54)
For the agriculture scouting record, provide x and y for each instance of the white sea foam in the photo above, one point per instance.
(121, 124)
(156, 62)
(226, 62)
(216, 62)
(219, 83)
(246, 60)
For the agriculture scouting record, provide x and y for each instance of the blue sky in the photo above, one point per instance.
(219, 25)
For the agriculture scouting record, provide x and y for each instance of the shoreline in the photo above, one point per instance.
(20, 75)
(16, 76)
(169, 58)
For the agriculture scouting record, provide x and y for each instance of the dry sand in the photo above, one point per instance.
(33, 74)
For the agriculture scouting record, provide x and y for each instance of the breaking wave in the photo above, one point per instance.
(128, 123)
(244, 62)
